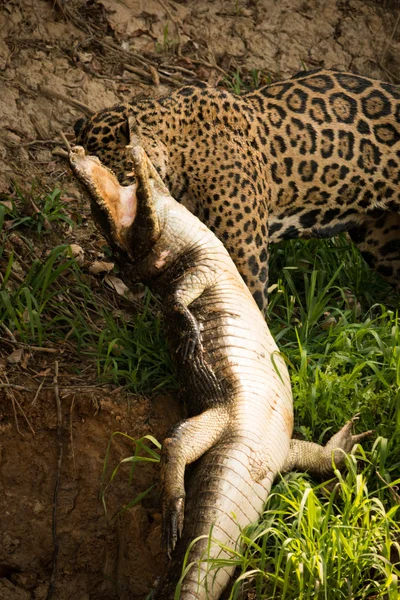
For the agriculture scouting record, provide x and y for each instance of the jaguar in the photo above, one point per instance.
(311, 156)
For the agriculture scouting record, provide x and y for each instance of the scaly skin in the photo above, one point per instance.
(239, 397)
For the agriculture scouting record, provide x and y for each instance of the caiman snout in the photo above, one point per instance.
(119, 202)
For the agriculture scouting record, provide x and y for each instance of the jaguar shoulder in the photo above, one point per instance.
(310, 156)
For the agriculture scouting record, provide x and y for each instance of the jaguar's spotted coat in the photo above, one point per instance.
(307, 157)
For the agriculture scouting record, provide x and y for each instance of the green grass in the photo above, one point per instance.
(50, 302)
(311, 543)
(242, 81)
(37, 211)
(338, 325)
(349, 364)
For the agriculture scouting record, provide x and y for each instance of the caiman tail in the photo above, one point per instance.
(226, 502)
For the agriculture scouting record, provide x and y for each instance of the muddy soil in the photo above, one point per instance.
(58, 61)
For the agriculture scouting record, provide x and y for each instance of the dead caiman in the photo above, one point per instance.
(239, 399)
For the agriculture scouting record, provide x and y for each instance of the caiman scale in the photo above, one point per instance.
(239, 400)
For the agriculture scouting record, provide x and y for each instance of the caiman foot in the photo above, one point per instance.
(340, 444)
(321, 460)
(344, 439)
(188, 329)
(172, 522)
(185, 443)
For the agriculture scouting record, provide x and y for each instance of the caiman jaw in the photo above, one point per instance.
(118, 202)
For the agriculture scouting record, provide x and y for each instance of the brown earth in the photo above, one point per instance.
(100, 52)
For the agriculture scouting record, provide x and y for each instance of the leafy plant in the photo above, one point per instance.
(168, 44)
(143, 454)
(38, 211)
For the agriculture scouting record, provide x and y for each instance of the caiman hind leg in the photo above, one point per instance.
(185, 442)
(379, 242)
(318, 460)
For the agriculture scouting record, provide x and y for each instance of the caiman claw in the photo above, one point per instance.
(190, 345)
(344, 439)
(172, 525)
(342, 443)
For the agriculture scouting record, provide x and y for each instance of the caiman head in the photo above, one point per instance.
(127, 216)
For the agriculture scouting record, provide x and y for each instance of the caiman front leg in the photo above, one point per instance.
(318, 460)
(185, 442)
(186, 327)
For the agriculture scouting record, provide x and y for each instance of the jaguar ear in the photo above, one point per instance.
(79, 125)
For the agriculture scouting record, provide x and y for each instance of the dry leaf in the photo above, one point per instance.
(17, 267)
(154, 75)
(85, 57)
(118, 285)
(7, 203)
(96, 65)
(329, 321)
(100, 266)
(15, 239)
(24, 361)
(78, 253)
(15, 357)
(2, 364)
(352, 302)
(44, 373)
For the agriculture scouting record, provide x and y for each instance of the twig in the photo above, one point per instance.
(197, 61)
(37, 392)
(134, 55)
(10, 335)
(36, 143)
(389, 73)
(76, 85)
(60, 152)
(12, 397)
(57, 483)
(71, 101)
(64, 139)
(148, 76)
(183, 70)
(21, 388)
(23, 414)
(15, 342)
(395, 496)
(9, 387)
(14, 386)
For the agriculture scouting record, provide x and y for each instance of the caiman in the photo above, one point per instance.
(238, 392)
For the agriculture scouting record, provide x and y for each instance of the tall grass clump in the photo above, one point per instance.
(331, 545)
(50, 301)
